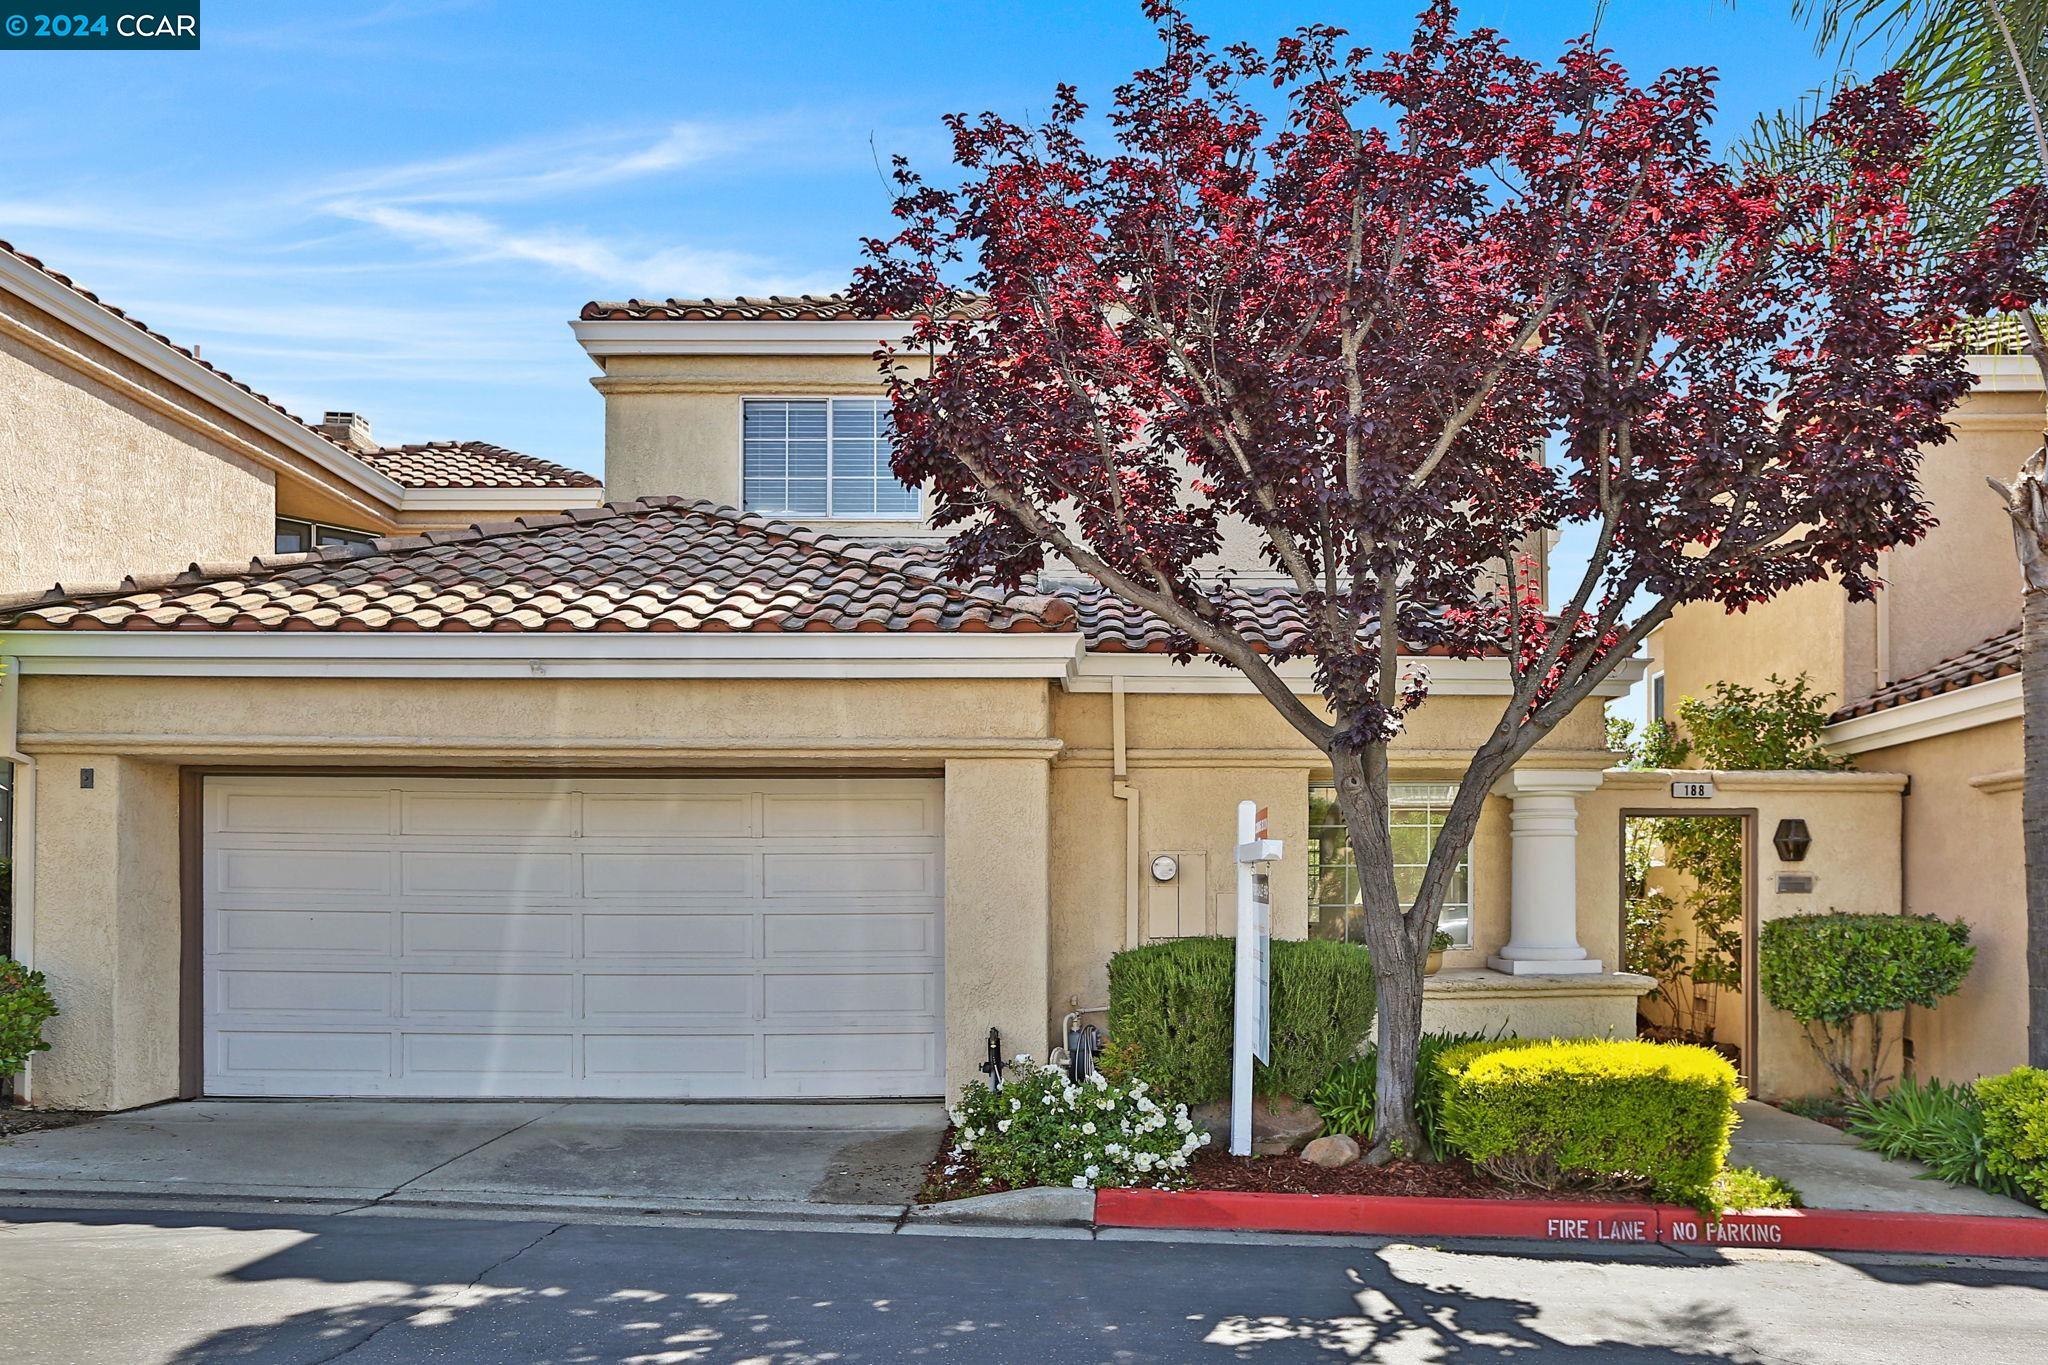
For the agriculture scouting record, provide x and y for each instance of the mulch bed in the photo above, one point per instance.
(1213, 1169)
(15, 1121)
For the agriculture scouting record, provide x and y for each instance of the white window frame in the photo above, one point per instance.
(1459, 930)
(829, 514)
(1653, 695)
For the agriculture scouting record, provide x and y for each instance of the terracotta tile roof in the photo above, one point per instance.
(770, 308)
(660, 564)
(1997, 657)
(1271, 618)
(472, 464)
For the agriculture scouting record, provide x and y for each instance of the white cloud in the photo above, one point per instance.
(539, 169)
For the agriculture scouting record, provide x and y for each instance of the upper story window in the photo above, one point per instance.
(297, 537)
(822, 457)
(1416, 814)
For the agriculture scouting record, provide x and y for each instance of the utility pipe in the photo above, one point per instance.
(1121, 788)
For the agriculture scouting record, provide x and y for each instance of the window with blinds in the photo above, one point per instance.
(821, 457)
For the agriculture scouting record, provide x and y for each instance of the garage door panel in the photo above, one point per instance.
(829, 1054)
(496, 814)
(670, 1063)
(363, 932)
(490, 933)
(305, 871)
(671, 997)
(521, 873)
(849, 874)
(454, 937)
(286, 991)
(866, 932)
(705, 817)
(693, 876)
(487, 995)
(489, 1059)
(256, 1053)
(610, 934)
(843, 815)
(322, 813)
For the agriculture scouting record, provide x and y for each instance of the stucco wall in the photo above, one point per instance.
(1854, 822)
(1803, 630)
(94, 485)
(1964, 857)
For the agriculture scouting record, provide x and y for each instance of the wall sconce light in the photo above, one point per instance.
(1792, 840)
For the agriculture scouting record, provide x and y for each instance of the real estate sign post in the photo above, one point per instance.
(1251, 1034)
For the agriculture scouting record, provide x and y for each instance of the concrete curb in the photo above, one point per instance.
(1040, 1206)
(1944, 1234)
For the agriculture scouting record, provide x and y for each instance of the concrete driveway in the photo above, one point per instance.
(628, 1156)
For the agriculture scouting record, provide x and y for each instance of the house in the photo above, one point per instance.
(123, 452)
(719, 790)
(1926, 678)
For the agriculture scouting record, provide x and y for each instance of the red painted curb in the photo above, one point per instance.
(1947, 1234)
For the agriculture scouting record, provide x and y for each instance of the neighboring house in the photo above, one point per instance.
(692, 795)
(1927, 683)
(123, 452)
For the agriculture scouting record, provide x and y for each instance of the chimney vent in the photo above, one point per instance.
(352, 429)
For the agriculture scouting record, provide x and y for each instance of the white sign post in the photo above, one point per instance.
(1252, 1031)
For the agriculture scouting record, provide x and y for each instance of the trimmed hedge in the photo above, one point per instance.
(1592, 1113)
(1830, 968)
(1170, 1014)
(25, 1006)
(2015, 1115)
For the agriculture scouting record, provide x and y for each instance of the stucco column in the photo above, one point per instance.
(1543, 926)
(998, 909)
(107, 931)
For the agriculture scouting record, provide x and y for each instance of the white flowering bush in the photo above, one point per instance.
(1043, 1129)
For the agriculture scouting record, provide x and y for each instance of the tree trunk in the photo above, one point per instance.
(2026, 502)
(2034, 801)
(1397, 961)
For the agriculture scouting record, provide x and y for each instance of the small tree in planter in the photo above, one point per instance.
(1842, 976)
(1355, 328)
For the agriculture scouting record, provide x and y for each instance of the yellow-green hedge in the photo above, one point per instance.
(2015, 1110)
(1592, 1113)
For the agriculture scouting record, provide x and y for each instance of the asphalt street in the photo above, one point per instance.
(81, 1287)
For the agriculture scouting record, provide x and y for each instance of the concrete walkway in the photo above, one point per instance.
(1831, 1172)
(622, 1155)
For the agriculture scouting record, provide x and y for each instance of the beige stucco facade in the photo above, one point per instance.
(120, 455)
(1038, 867)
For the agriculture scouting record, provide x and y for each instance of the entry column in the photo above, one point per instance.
(1543, 937)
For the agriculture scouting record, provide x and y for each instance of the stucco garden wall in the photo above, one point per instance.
(1854, 822)
(1965, 858)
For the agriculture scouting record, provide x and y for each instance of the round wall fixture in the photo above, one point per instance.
(1165, 868)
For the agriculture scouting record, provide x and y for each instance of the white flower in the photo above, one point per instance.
(1016, 1104)
(1092, 1171)
(1088, 1128)
(1003, 1127)
(1080, 1183)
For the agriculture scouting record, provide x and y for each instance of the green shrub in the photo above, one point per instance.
(1171, 1008)
(1592, 1114)
(2015, 1111)
(1346, 1100)
(1745, 1187)
(1932, 1122)
(1830, 971)
(25, 1005)
(1042, 1129)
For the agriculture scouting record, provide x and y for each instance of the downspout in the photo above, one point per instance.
(22, 826)
(1122, 790)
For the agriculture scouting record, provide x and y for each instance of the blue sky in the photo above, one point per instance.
(397, 207)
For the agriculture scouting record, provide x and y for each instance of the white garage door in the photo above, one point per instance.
(629, 937)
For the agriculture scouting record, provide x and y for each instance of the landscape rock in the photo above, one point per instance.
(1278, 1125)
(1333, 1151)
